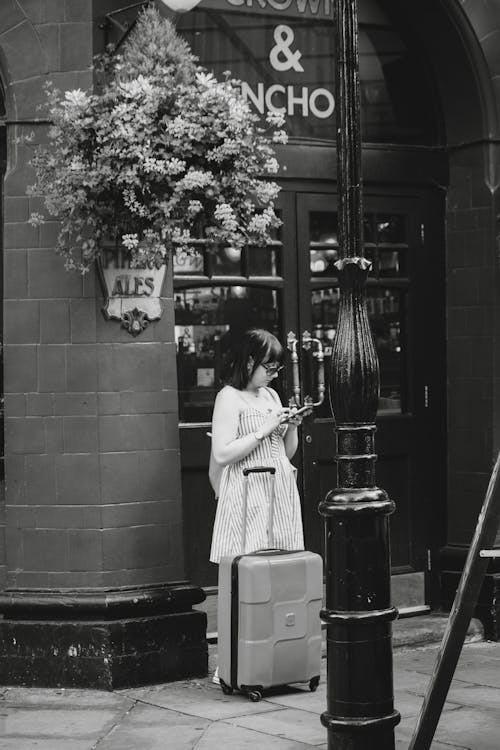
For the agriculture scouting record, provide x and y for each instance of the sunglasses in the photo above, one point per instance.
(272, 369)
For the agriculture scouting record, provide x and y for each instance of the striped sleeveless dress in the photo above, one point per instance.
(287, 522)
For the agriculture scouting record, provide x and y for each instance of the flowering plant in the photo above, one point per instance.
(162, 152)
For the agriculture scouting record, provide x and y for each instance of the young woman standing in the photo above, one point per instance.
(251, 427)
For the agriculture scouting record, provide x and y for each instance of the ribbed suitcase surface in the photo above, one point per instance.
(269, 628)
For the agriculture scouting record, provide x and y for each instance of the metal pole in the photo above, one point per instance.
(360, 711)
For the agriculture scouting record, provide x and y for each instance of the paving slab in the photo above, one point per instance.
(463, 728)
(408, 704)
(287, 723)
(152, 728)
(476, 729)
(419, 660)
(489, 674)
(222, 735)
(57, 722)
(35, 743)
(402, 743)
(199, 699)
(300, 698)
(409, 679)
(475, 696)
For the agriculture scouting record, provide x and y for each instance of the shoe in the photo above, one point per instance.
(215, 676)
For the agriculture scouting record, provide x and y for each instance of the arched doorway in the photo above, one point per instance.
(292, 287)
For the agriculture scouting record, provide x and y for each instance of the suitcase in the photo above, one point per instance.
(269, 628)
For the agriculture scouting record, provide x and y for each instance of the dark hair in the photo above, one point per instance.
(256, 346)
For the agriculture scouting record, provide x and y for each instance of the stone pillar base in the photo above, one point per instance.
(102, 640)
(487, 609)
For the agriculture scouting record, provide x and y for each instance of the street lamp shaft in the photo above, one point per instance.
(348, 139)
(360, 713)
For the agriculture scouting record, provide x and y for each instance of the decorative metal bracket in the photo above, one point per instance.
(116, 31)
(135, 321)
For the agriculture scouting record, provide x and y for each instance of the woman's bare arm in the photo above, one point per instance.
(226, 446)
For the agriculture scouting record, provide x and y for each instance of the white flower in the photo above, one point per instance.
(76, 164)
(225, 214)
(225, 150)
(239, 111)
(36, 219)
(77, 98)
(267, 191)
(279, 136)
(130, 241)
(25, 138)
(275, 118)
(271, 165)
(181, 236)
(206, 79)
(175, 166)
(183, 129)
(194, 207)
(195, 178)
(130, 200)
(155, 166)
(137, 87)
(260, 224)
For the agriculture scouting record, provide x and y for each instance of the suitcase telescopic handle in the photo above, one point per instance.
(258, 470)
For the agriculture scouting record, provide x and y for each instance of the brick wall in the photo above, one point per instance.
(471, 290)
(91, 431)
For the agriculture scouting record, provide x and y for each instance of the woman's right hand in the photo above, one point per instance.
(274, 420)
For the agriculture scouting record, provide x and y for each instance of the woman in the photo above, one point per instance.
(250, 427)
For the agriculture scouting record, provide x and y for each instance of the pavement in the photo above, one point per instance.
(195, 714)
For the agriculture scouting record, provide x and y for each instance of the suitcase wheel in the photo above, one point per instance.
(313, 684)
(255, 696)
(226, 689)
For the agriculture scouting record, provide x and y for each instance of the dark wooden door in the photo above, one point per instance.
(405, 305)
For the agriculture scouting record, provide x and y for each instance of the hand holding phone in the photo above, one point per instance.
(307, 407)
(299, 412)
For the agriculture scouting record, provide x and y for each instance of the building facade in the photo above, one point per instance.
(107, 511)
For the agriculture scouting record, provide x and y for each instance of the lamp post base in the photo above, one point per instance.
(361, 734)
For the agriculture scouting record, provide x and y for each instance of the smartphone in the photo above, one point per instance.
(307, 407)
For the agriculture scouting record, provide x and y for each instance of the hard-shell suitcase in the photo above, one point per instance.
(269, 628)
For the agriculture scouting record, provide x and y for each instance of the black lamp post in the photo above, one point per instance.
(360, 711)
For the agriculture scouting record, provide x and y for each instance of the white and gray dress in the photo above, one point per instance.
(287, 524)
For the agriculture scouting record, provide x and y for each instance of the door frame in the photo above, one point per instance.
(428, 439)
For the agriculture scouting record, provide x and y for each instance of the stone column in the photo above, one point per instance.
(92, 591)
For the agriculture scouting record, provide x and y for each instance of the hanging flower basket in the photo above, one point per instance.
(161, 149)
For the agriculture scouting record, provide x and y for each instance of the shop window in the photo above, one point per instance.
(386, 298)
(219, 292)
(285, 61)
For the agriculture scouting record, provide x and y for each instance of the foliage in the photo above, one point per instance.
(162, 152)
